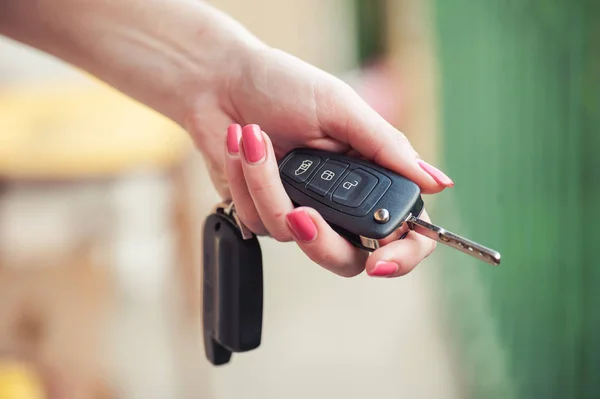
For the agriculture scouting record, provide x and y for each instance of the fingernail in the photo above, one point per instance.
(302, 225)
(384, 268)
(254, 145)
(437, 174)
(234, 133)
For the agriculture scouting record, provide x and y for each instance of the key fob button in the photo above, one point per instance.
(355, 188)
(301, 166)
(327, 176)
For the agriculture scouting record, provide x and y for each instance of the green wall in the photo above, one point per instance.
(521, 132)
(371, 29)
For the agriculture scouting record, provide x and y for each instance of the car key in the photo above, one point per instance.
(364, 202)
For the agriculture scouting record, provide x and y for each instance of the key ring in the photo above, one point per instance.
(228, 208)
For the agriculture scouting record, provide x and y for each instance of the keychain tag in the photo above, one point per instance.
(232, 286)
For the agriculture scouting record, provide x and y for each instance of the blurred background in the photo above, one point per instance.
(102, 203)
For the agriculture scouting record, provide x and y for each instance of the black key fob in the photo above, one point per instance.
(232, 286)
(362, 201)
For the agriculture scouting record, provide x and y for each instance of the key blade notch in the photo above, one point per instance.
(455, 241)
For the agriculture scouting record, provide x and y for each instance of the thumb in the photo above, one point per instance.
(349, 119)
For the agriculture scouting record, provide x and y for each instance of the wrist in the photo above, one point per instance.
(218, 62)
(230, 50)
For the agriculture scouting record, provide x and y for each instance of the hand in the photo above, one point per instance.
(205, 71)
(298, 105)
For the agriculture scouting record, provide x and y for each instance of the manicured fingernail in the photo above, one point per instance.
(254, 145)
(302, 225)
(234, 134)
(384, 268)
(437, 174)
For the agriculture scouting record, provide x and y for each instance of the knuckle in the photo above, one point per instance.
(350, 271)
(330, 261)
(282, 236)
(379, 151)
(343, 88)
(334, 90)
(236, 179)
(278, 219)
(263, 186)
(278, 227)
(323, 258)
(401, 140)
(253, 223)
(259, 230)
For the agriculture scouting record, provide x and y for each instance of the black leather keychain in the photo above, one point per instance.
(232, 286)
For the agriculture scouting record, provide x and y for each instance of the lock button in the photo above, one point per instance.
(327, 176)
(355, 188)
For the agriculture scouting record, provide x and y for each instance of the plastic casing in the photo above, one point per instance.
(394, 192)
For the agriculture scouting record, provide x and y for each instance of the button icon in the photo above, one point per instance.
(327, 175)
(300, 166)
(347, 185)
(304, 166)
(356, 187)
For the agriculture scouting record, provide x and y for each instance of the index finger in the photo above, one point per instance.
(348, 118)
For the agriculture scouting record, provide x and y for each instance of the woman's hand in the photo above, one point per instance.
(298, 105)
(203, 70)
(263, 205)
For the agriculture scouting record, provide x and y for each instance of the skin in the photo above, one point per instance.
(203, 70)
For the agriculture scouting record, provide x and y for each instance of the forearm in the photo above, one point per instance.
(161, 52)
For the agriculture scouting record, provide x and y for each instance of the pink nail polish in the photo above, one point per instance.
(234, 133)
(302, 225)
(384, 268)
(437, 174)
(254, 145)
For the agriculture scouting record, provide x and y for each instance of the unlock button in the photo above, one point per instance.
(355, 188)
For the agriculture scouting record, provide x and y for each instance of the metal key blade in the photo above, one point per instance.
(455, 241)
